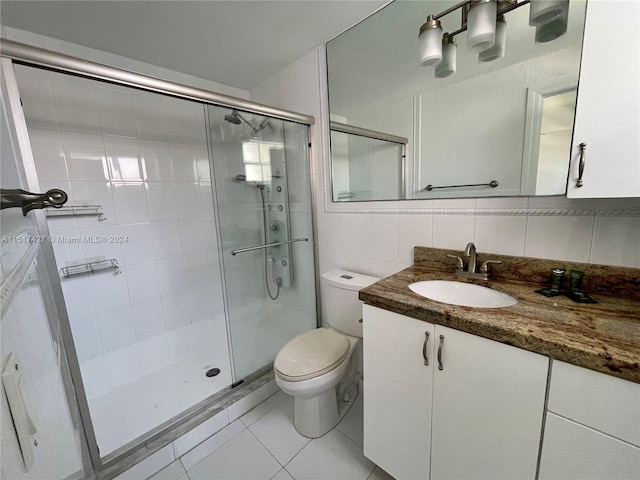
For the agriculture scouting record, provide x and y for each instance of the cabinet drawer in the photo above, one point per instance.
(605, 403)
(573, 452)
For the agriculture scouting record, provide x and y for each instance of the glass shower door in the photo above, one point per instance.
(263, 197)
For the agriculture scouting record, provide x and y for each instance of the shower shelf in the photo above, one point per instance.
(77, 210)
(90, 267)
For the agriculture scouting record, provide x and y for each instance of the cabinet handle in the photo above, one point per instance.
(424, 348)
(440, 367)
(583, 147)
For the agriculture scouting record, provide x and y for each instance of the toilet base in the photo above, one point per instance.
(316, 416)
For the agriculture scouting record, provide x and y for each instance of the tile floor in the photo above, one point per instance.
(263, 444)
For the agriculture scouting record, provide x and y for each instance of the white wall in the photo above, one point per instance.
(378, 237)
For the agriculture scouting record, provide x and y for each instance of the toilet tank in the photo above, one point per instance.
(340, 295)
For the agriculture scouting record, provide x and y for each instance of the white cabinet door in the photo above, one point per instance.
(607, 404)
(397, 393)
(607, 111)
(488, 404)
(571, 451)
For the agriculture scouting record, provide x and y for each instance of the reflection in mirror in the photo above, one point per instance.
(548, 129)
(367, 165)
(488, 121)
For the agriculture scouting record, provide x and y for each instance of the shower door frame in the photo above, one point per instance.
(50, 60)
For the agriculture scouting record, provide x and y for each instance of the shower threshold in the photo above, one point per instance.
(134, 452)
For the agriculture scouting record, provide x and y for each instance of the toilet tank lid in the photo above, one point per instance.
(348, 280)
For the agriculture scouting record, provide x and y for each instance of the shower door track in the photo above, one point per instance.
(40, 57)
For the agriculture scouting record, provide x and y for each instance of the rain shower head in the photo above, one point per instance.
(235, 118)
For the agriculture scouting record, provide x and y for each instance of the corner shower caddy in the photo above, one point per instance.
(91, 267)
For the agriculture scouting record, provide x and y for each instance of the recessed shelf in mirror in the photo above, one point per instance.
(470, 127)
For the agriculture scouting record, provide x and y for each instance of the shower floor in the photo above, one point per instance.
(128, 412)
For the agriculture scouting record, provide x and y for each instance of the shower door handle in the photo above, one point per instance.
(275, 244)
(27, 201)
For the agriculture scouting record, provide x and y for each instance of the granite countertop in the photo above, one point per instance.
(604, 337)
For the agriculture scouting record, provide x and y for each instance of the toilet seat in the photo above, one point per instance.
(311, 354)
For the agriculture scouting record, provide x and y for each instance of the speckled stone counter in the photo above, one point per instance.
(604, 337)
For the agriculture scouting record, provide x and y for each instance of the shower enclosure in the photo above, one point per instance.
(185, 252)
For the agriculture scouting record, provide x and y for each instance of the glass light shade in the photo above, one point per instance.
(554, 29)
(447, 66)
(544, 11)
(430, 41)
(497, 51)
(481, 26)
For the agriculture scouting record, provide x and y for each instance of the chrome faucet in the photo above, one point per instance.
(470, 272)
(470, 253)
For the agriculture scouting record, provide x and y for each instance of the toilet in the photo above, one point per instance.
(318, 367)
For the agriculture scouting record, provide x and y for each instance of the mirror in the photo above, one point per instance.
(501, 128)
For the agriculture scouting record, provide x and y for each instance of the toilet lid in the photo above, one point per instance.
(311, 354)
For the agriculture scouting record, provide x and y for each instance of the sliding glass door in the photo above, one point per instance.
(261, 172)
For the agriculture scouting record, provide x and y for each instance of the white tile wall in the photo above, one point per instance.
(144, 158)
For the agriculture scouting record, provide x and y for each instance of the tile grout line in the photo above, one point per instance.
(265, 447)
(215, 450)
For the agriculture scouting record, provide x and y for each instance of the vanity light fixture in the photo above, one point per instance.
(486, 28)
(447, 66)
(481, 25)
(497, 51)
(430, 40)
(545, 11)
(554, 29)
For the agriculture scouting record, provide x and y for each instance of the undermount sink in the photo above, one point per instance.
(463, 294)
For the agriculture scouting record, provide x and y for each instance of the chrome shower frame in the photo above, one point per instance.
(24, 54)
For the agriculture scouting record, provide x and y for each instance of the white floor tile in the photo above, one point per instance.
(352, 425)
(332, 456)
(283, 475)
(276, 432)
(150, 465)
(200, 433)
(379, 474)
(211, 444)
(174, 471)
(245, 404)
(261, 409)
(241, 458)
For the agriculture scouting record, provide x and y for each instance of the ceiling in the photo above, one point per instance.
(238, 43)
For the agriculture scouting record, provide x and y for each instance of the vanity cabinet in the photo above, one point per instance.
(479, 416)
(592, 429)
(398, 389)
(607, 115)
